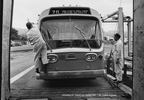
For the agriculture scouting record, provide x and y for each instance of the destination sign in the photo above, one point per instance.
(69, 11)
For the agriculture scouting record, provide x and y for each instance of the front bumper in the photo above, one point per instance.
(72, 74)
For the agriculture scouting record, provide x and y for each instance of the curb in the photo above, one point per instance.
(24, 50)
(123, 87)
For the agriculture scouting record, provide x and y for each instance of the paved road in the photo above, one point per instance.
(27, 86)
(19, 61)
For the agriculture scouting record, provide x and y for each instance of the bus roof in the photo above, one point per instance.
(69, 10)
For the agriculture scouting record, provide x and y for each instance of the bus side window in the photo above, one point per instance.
(97, 31)
(92, 34)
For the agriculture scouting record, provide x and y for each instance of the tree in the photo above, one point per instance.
(14, 34)
(23, 37)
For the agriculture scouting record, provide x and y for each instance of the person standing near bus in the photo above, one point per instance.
(118, 57)
(39, 47)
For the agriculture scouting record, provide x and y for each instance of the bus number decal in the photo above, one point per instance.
(55, 11)
(67, 11)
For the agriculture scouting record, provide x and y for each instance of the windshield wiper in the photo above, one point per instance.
(45, 39)
(49, 38)
(49, 47)
(82, 33)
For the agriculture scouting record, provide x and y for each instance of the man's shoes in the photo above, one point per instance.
(37, 70)
(126, 95)
(37, 74)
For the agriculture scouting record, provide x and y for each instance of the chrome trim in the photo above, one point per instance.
(53, 55)
(70, 58)
(91, 54)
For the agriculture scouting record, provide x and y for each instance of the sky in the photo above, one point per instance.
(29, 9)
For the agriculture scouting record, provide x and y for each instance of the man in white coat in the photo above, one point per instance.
(118, 57)
(39, 47)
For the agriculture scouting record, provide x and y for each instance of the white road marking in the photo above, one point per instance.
(13, 79)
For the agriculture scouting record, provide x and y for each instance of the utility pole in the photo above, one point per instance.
(129, 37)
(120, 23)
(138, 57)
(1, 14)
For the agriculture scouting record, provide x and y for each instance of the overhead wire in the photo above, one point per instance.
(120, 3)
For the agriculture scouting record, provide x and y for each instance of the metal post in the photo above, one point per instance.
(6, 27)
(1, 14)
(125, 73)
(110, 15)
(129, 38)
(138, 50)
(121, 28)
(120, 23)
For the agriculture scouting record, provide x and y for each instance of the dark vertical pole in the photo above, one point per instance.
(138, 62)
(121, 29)
(129, 37)
(1, 22)
(12, 5)
(6, 27)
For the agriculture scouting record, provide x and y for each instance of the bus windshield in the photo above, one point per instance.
(72, 32)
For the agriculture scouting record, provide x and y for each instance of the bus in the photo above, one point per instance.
(74, 39)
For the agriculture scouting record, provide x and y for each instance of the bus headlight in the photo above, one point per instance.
(52, 58)
(91, 56)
